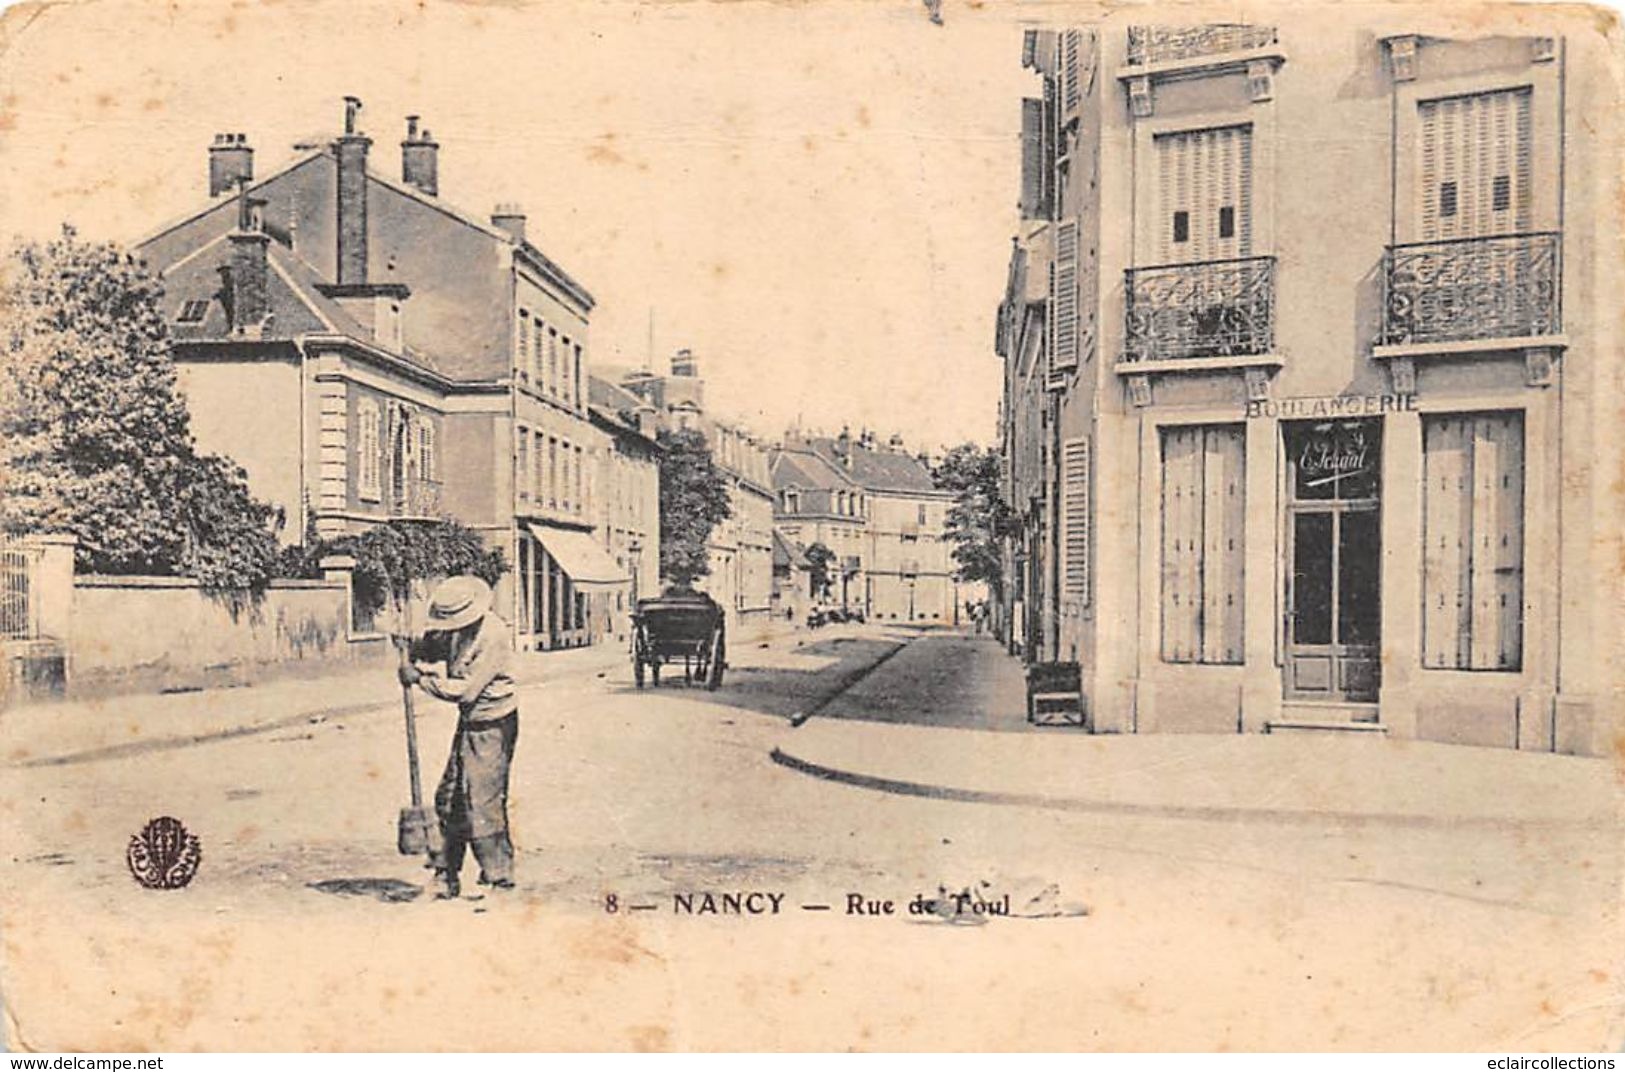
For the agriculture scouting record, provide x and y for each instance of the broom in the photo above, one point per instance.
(417, 832)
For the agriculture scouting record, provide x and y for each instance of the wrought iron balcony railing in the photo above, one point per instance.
(1208, 309)
(420, 498)
(1158, 44)
(1501, 286)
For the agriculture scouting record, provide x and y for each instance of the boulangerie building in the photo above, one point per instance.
(1302, 346)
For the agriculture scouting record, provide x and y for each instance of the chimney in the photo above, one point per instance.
(895, 443)
(249, 304)
(843, 446)
(866, 439)
(352, 199)
(511, 218)
(230, 159)
(684, 363)
(420, 159)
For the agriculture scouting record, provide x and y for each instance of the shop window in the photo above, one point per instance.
(1203, 517)
(1472, 568)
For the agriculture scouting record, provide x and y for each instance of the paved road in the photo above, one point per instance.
(1197, 935)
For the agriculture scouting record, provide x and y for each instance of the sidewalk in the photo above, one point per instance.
(44, 734)
(966, 752)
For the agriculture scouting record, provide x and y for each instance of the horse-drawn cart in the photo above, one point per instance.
(686, 627)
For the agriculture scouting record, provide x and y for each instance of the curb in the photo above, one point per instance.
(1219, 814)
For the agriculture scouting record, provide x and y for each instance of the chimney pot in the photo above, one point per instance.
(509, 216)
(420, 159)
(230, 160)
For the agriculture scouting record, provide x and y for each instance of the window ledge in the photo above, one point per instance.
(1198, 364)
(1499, 344)
(1196, 66)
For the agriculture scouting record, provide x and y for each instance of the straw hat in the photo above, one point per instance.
(457, 602)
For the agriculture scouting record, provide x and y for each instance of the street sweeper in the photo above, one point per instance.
(471, 804)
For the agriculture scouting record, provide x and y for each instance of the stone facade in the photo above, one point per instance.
(1309, 482)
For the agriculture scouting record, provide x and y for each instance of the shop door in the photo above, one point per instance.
(1334, 547)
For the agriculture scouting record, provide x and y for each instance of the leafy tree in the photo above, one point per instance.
(390, 558)
(95, 439)
(819, 560)
(979, 515)
(693, 501)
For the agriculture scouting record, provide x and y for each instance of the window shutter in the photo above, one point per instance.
(1063, 309)
(367, 450)
(1071, 71)
(1032, 158)
(1200, 173)
(1447, 536)
(1224, 516)
(1473, 143)
(1181, 540)
(1075, 519)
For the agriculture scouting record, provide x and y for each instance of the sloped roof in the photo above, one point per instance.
(879, 470)
(793, 468)
(872, 470)
(297, 307)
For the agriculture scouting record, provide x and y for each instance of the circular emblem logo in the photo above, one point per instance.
(164, 856)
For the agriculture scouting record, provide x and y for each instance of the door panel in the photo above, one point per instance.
(1312, 578)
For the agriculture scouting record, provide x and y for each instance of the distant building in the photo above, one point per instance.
(367, 351)
(878, 510)
(1300, 402)
(628, 494)
(741, 548)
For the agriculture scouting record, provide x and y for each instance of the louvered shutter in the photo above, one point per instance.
(1071, 72)
(1063, 305)
(1032, 158)
(1200, 173)
(1475, 166)
(1075, 533)
(367, 450)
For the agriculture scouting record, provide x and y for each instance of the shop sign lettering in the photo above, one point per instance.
(1331, 406)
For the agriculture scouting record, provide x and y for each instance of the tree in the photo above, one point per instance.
(390, 558)
(693, 501)
(95, 439)
(979, 515)
(819, 559)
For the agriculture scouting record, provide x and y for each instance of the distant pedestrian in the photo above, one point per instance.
(472, 800)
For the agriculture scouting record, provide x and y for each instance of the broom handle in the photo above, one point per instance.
(411, 721)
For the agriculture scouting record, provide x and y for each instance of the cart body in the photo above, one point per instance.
(679, 627)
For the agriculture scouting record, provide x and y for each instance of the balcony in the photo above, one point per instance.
(1148, 45)
(418, 499)
(1504, 288)
(1213, 313)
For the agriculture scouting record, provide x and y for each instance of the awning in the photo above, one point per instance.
(579, 556)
